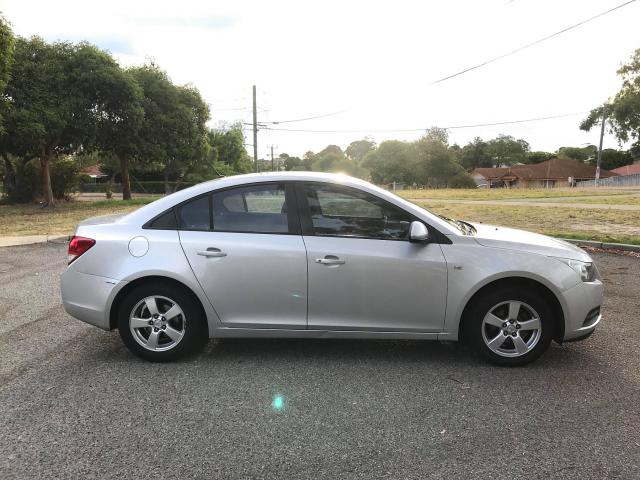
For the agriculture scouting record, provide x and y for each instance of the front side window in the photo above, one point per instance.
(252, 209)
(348, 212)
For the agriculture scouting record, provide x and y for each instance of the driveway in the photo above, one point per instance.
(74, 403)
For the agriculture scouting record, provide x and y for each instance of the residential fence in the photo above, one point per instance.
(620, 181)
(136, 187)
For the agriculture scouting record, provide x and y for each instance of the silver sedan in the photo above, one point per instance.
(312, 255)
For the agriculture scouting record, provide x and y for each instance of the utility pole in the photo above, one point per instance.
(272, 166)
(604, 120)
(255, 130)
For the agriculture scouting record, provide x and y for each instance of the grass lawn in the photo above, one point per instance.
(618, 226)
(30, 219)
(514, 193)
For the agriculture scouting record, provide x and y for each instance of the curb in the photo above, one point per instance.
(14, 241)
(603, 245)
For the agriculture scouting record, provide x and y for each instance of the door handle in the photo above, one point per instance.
(212, 252)
(330, 260)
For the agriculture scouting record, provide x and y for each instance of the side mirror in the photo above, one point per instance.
(418, 232)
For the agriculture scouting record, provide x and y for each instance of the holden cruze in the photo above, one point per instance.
(312, 255)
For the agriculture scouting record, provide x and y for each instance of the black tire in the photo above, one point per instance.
(195, 331)
(473, 325)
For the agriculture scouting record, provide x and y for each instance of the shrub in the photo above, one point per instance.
(461, 180)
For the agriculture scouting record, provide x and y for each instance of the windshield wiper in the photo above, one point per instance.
(466, 227)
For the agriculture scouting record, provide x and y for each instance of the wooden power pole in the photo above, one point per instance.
(604, 120)
(255, 130)
(272, 167)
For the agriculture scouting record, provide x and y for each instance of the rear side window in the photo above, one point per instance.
(253, 209)
(195, 215)
(166, 221)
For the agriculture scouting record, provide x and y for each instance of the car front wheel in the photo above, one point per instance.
(161, 323)
(510, 326)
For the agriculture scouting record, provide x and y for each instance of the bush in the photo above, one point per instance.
(64, 177)
(461, 180)
(21, 182)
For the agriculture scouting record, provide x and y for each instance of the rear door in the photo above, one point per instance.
(364, 274)
(245, 248)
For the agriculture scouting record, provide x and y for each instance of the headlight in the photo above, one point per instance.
(586, 270)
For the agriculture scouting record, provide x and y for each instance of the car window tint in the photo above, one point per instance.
(194, 215)
(166, 221)
(255, 209)
(348, 212)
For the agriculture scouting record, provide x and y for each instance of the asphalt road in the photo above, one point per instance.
(74, 403)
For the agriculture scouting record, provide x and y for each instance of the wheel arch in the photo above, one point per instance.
(129, 286)
(518, 282)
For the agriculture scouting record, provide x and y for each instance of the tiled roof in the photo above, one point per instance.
(93, 170)
(628, 169)
(554, 169)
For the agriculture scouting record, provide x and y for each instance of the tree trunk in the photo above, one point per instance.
(124, 173)
(47, 191)
(166, 182)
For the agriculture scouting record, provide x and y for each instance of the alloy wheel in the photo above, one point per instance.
(157, 323)
(511, 328)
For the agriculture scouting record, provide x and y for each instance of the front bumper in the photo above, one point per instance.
(582, 309)
(87, 297)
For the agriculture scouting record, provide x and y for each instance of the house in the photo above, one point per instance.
(632, 169)
(556, 172)
(94, 172)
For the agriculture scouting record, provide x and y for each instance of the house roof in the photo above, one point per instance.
(93, 171)
(628, 169)
(553, 169)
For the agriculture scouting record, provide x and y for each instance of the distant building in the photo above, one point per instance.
(632, 169)
(93, 172)
(556, 172)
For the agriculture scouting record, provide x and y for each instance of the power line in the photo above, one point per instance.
(519, 49)
(306, 118)
(452, 127)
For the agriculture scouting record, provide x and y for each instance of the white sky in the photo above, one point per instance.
(373, 61)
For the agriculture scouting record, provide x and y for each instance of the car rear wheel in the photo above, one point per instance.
(161, 323)
(509, 326)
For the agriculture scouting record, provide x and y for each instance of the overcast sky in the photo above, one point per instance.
(373, 62)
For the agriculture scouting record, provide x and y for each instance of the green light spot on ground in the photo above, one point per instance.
(278, 402)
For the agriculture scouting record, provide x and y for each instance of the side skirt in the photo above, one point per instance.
(225, 332)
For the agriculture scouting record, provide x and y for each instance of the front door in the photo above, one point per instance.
(364, 274)
(245, 248)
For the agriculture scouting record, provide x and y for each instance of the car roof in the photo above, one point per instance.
(149, 211)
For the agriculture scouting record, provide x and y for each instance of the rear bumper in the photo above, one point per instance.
(87, 297)
(582, 314)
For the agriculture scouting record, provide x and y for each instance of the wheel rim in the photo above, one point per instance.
(157, 323)
(511, 328)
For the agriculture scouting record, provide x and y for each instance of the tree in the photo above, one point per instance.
(505, 150)
(6, 56)
(612, 158)
(623, 112)
(228, 148)
(585, 154)
(292, 163)
(436, 162)
(539, 156)
(476, 154)
(392, 161)
(59, 97)
(118, 97)
(173, 134)
(357, 150)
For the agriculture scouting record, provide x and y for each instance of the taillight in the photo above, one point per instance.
(79, 245)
